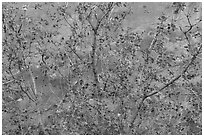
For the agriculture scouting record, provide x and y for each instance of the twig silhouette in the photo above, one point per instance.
(165, 86)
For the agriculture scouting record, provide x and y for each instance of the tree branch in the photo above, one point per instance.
(162, 88)
(104, 15)
(190, 28)
(74, 52)
(19, 83)
(176, 78)
(93, 55)
(88, 19)
(72, 27)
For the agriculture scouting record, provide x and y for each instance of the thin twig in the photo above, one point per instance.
(88, 19)
(19, 83)
(165, 86)
(74, 51)
(104, 15)
(176, 78)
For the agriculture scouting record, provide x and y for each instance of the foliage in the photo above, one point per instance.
(73, 68)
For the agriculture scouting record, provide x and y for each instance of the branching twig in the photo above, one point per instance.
(94, 46)
(176, 78)
(190, 28)
(75, 52)
(165, 86)
(104, 15)
(72, 27)
(22, 87)
(89, 20)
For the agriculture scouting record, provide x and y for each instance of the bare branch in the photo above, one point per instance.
(73, 28)
(165, 86)
(89, 20)
(74, 52)
(22, 88)
(176, 78)
(104, 15)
